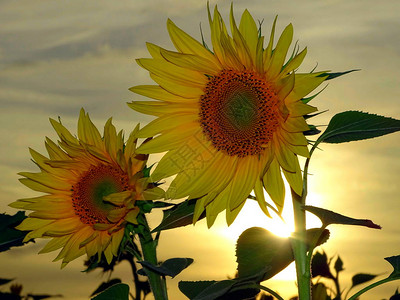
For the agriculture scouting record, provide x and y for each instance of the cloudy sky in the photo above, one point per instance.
(59, 56)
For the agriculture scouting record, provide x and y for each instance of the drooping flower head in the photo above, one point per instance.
(91, 184)
(231, 118)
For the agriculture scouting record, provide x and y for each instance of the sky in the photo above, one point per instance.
(59, 56)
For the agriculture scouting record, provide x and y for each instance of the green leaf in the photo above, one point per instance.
(336, 74)
(11, 237)
(328, 217)
(119, 291)
(361, 278)
(170, 267)
(261, 254)
(354, 125)
(338, 265)
(178, 216)
(395, 262)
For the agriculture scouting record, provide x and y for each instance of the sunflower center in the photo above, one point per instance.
(239, 112)
(94, 184)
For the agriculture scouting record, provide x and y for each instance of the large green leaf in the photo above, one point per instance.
(355, 125)
(119, 291)
(328, 217)
(105, 285)
(262, 254)
(11, 237)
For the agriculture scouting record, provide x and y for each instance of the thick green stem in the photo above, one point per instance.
(300, 248)
(149, 246)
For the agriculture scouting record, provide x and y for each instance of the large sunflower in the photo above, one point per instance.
(91, 185)
(231, 119)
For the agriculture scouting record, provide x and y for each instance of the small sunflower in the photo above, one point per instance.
(91, 185)
(231, 119)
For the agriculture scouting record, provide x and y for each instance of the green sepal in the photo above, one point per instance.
(336, 74)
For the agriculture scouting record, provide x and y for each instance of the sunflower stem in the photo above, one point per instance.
(300, 248)
(149, 246)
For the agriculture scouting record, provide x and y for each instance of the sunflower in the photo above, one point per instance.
(91, 184)
(230, 119)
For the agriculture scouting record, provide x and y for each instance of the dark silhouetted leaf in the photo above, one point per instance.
(262, 254)
(361, 278)
(5, 281)
(355, 125)
(336, 74)
(119, 291)
(320, 266)
(105, 285)
(329, 217)
(216, 290)
(170, 267)
(178, 216)
(396, 295)
(11, 237)
(338, 264)
(43, 296)
(192, 288)
(395, 262)
(9, 296)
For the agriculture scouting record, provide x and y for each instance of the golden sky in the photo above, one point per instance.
(59, 56)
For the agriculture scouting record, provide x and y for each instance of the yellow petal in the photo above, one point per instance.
(166, 123)
(285, 157)
(280, 52)
(87, 132)
(172, 87)
(248, 169)
(298, 109)
(157, 92)
(295, 124)
(295, 62)
(54, 244)
(273, 183)
(295, 179)
(268, 50)
(173, 73)
(192, 62)
(249, 31)
(169, 140)
(306, 83)
(259, 192)
(186, 44)
(232, 214)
